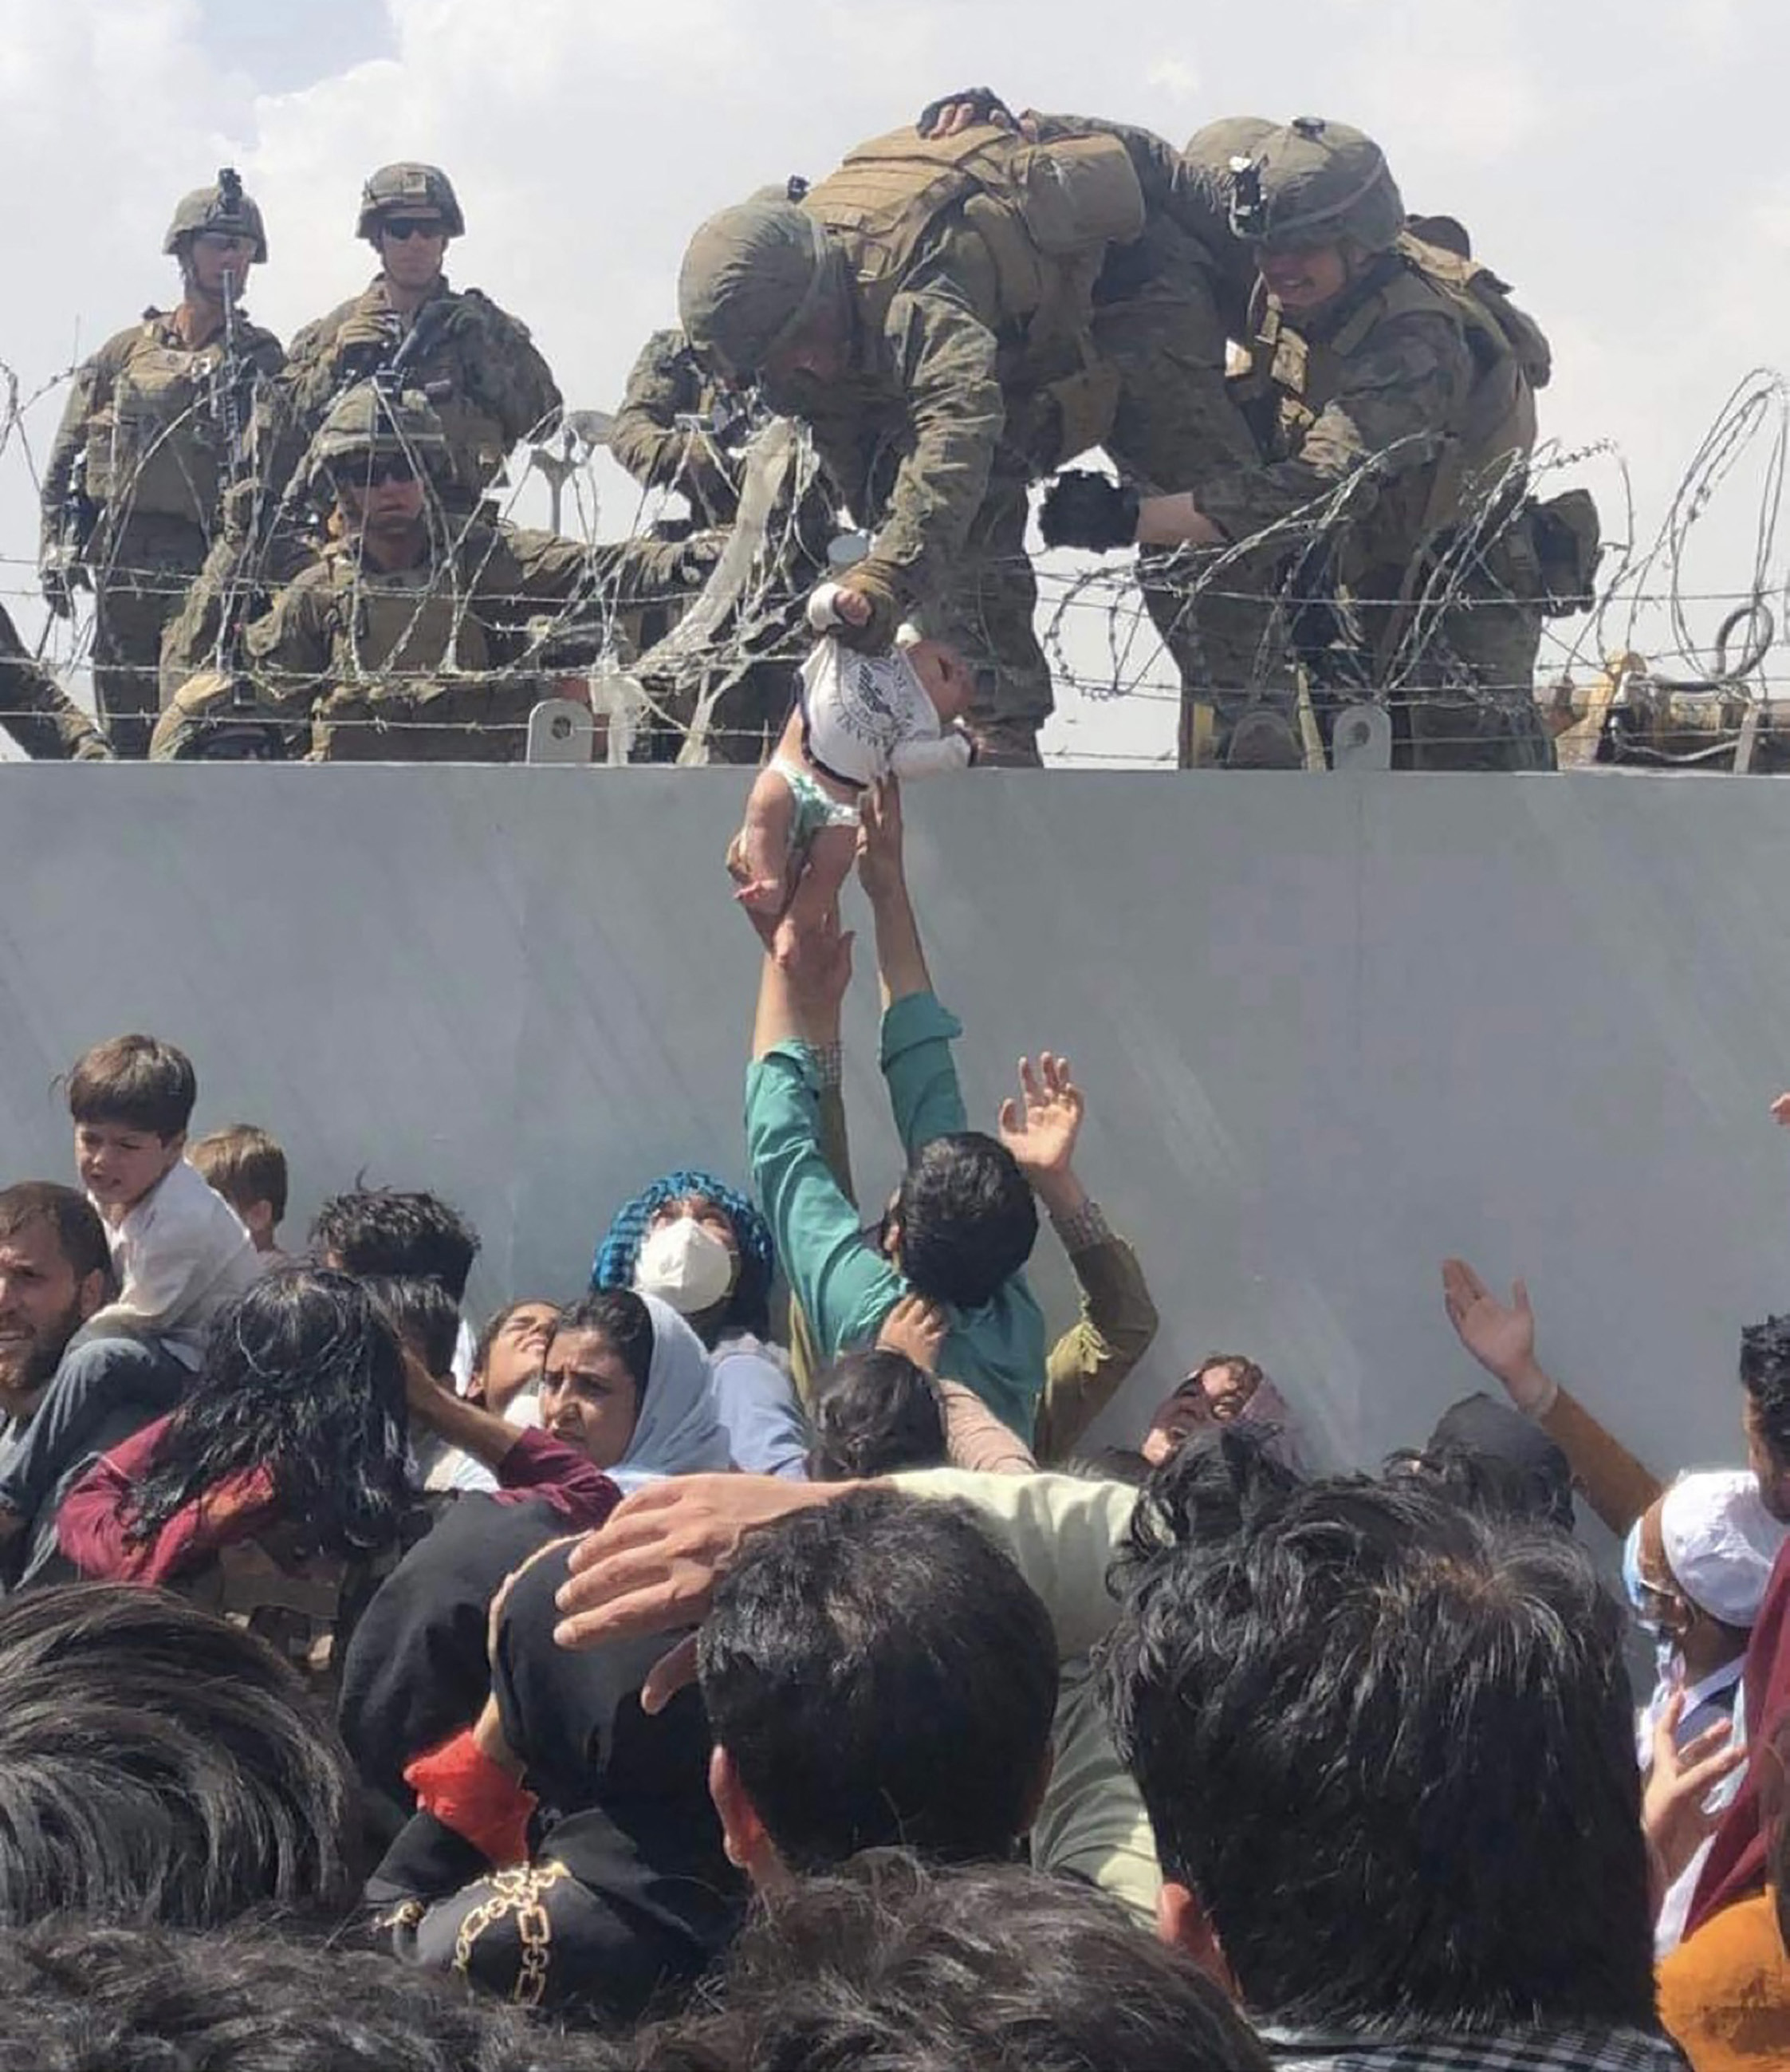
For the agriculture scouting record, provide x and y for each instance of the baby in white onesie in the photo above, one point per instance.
(861, 718)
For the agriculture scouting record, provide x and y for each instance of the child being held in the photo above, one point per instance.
(861, 718)
(179, 1251)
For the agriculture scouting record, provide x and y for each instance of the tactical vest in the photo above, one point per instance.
(478, 446)
(1046, 214)
(415, 675)
(153, 451)
(1493, 424)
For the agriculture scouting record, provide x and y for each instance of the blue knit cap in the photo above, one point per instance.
(620, 1247)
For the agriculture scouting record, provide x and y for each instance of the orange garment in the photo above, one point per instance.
(1725, 1991)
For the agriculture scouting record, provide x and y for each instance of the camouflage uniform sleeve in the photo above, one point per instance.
(1402, 392)
(290, 649)
(946, 361)
(1156, 161)
(89, 392)
(526, 570)
(506, 372)
(644, 438)
(37, 712)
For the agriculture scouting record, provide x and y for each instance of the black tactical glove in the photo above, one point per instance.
(1083, 509)
(983, 103)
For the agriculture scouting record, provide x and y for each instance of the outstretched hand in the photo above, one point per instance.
(881, 871)
(1780, 1111)
(654, 1566)
(1041, 1127)
(1672, 1810)
(1501, 1337)
(917, 1330)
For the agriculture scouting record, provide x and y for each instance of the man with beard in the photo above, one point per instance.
(63, 1398)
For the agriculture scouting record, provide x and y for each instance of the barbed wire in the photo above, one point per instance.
(1128, 631)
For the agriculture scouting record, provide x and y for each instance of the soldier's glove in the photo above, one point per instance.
(981, 103)
(54, 578)
(1084, 509)
(365, 340)
(830, 603)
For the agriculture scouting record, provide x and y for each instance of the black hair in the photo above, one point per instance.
(302, 1378)
(79, 1234)
(968, 1219)
(378, 1230)
(138, 1081)
(619, 1316)
(425, 1317)
(494, 1323)
(911, 1969)
(874, 1412)
(1388, 1741)
(158, 1764)
(880, 1672)
(77, 1996)
(1765, 1375)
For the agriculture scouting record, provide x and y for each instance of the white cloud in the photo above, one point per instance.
(1621, 169)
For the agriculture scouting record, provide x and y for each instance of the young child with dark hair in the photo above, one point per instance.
(179, 1251)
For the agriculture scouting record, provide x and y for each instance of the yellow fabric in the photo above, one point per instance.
(1725, 1994)
(1062, 1532)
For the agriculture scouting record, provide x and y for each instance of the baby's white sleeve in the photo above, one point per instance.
(925, 758)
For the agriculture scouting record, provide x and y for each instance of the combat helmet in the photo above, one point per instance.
(222, 206)
(369, 419)
(409, 188)
(1316, 182)
(751, 279)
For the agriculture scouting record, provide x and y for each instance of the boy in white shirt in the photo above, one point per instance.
(179, 1251)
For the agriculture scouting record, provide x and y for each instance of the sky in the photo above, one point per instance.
(1621, 165)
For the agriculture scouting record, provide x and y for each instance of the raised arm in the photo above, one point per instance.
(882, 870)
(841, 1284)
(1501, 1338)
(1118, 1323)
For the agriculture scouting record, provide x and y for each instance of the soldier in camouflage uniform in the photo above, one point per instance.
(38, 713)
(929, 312)
(662, 434)
(485, 380)
(133, 482)
(1403, 369)
(406, 641)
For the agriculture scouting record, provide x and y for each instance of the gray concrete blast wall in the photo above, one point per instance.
(1331, 1030)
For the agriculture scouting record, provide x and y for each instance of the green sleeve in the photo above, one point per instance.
(1401, 393)
(845, 1289)
(916, 1062)
(944, 356)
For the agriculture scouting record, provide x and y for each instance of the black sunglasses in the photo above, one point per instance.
(412, 226)
(384, 467)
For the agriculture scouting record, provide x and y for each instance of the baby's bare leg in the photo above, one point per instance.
(758, 857)
(817, 889)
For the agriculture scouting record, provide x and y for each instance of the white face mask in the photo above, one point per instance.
(684, 1263)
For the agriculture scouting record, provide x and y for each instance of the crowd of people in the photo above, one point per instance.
(751, 1661)
(1321, 408)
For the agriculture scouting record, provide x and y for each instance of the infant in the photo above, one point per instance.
(861, 718)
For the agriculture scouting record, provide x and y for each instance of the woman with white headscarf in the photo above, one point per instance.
(699, 1245)
(624, 1381)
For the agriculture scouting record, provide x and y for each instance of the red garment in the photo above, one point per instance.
(481, 1802)
(1734, 1868)
(92, 1521)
